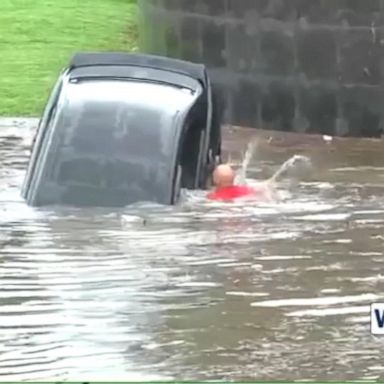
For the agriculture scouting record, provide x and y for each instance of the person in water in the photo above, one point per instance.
(226, 190)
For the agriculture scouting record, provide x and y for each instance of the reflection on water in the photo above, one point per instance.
(201, 291)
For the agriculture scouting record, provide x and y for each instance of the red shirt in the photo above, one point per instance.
(231, 192)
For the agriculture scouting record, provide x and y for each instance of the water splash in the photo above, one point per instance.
(241, 174)
(295, 166)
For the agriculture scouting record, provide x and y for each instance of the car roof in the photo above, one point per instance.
(89, 59)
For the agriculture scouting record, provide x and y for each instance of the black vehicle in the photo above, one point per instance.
(120, 128)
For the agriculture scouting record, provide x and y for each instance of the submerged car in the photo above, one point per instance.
(120, 128)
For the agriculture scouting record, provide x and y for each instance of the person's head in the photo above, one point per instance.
(223, 176)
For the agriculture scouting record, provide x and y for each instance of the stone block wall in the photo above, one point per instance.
(314, 66)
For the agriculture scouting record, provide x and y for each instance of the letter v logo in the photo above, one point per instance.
(377, 318)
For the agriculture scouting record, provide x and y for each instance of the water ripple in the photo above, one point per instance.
(201, 291)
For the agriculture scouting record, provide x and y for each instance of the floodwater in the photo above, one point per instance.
(200, 291)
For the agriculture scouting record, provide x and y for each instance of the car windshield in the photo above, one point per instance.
(118, 134)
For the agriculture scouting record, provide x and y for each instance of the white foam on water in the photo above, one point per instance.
(209, 262)
(234, 264)
(198, 284)
(376, 368)
(372, 212)
(153, 346)
(325, 217)
(246, 294)
(131, 219)
(313, 301)
(359, 320)
(111, 375)
(298, 207)
(337, 241)
(278, 258)
(370, 221)
(369, 279)
(330, 290)
(357, 168)
(329, 311)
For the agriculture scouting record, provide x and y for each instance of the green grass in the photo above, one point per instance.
(38, 37)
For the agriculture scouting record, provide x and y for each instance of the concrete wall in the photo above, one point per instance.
(292, 65)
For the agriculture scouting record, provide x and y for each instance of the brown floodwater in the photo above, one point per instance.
(199, 291)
